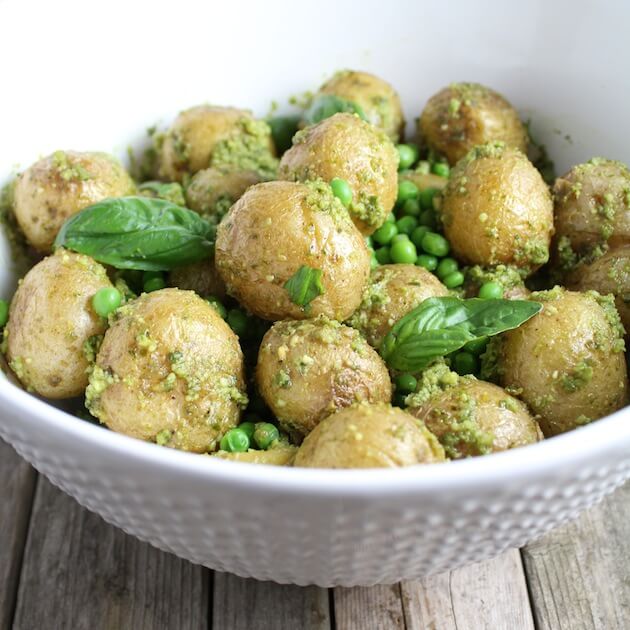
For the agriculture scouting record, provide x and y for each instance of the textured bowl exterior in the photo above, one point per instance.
(312, 526)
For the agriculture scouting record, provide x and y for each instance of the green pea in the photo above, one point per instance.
(476, 346)
(399, 237)
(4, 312)
(427, 217)
(491, 291)
(369, 242)
(411, 208)
(406, 190)
(385, 233)
(417, 234)
(426, 198)
(446, 267)
(423, 167)
(237, 321)
(406, 383)
(435, 244)
(398, 400)
(427, 261)
(407, 154)
(404, 252)
(265, 435)
(373, 261)
(235, 441)
(453, 280)
(391, 218)
(248, 427)
(283, 128)
(407, 225)
(382, 255)
(341, 189)
(441, 168)
(152, 281)
(104, 302)
(465, 363)
(215, 302)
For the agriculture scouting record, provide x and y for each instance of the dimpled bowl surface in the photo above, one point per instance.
(94, 76)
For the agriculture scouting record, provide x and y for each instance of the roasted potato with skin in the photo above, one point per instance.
(201, 277)
(472, 417)
(278, 455)
(567, 363)
(608, 274)
(213, 191)
(170, 371)
(496, 209)
(308, 369)
(393, 291)
(273, 230)
(377, 98)
(369, 436)
(347, 147)
(464, 115)
(423, 180)
(209, 135)
(592, 209)
(60, 185)
(50, 321)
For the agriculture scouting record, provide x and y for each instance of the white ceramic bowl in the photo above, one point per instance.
(76, 76)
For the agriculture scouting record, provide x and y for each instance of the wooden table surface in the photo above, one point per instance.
(62, 567)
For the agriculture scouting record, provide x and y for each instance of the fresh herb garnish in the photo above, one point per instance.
(171, 191)
(138, 233)
(326, 105)
(442, 325)
(304, 285)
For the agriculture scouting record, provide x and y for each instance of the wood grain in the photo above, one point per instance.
(80, 573)
(490, 595)
(16, 497)
(360, 608)
(579, 574)
(244, 604)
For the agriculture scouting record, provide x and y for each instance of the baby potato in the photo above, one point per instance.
(212, 191)
(369, 436)
(567, 363)
(60, 185)
(393, 291)
(208, 135)
(347, 147)
(276, 228)
(280, 454)
(464, 115)
(52, 322)
(592, 209)
(423, 180)
(377, 98)
(608, 274)
(170, 371)
(201, 277)
(471, 417)
(496, 209)
(308, 369)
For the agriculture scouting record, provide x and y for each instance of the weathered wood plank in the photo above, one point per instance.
(360, 608)
(579, 575)
(488, 595)
(243, 604)
(79, 572)
(16, 498)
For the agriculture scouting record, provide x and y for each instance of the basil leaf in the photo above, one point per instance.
(304, 285)
(138, 233)
(442, 325)
(171, 191)
(283, 128)
(326, 105)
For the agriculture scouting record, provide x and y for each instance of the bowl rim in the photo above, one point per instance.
(541, 458)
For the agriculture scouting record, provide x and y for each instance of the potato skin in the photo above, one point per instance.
(209, 135)
(369, 436)
(308, 369)
(212, 191)
(169, 370)
(201, 277)
(60, 185)
(279, 455)
(274, 229)
(464, 115)
(567, 362)
(393, 291)
(591, 208)
(50, 319)
(496, 209)
(347, 147)
(377, 98)
(476, 418)
(608, 274)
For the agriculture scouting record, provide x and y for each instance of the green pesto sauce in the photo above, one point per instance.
(507, 276)
(578, 377)
(434, 380)
(91, 347)
(607, 302)
(320, 198)
(171, 191)
(491, 360)
(69, 169)
(20, 260)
